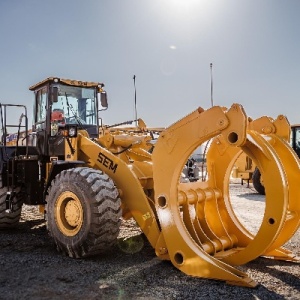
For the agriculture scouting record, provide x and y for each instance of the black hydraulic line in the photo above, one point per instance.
(70, 145)
(122, 123)
(123, 150)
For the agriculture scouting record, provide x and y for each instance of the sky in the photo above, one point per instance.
(254, 46)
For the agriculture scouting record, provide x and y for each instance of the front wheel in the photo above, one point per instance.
(83, 212)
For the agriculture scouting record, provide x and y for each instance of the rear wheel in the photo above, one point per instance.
(258, 182)
(83, 212)
(10, 219)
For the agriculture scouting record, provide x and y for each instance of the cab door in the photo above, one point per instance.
(41, 121)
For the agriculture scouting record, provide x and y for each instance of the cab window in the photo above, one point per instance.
(41, 102)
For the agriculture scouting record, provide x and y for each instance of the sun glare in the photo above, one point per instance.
(183, 5)
(192, 9)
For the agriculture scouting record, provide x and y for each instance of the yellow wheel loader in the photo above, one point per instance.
(245, 169)
(88, 175)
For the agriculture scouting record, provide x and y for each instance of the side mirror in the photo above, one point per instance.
(102, 101)
(54, 94)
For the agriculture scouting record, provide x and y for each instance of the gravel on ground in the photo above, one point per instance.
(31, 268)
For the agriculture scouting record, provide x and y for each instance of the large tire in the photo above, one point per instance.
(83, 212)
(257, 182)
(11, 219)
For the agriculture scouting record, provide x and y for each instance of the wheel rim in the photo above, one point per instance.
(68, 213)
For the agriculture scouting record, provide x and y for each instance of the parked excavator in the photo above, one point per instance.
(86, 175)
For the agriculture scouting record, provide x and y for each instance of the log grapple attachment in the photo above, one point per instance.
(200, 232)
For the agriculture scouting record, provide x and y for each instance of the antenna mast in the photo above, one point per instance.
(135, 107)
(211, 85)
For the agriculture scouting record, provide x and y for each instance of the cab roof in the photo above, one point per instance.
(71, 82)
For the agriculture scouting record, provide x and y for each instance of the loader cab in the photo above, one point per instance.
(63, 103)
(295, 138)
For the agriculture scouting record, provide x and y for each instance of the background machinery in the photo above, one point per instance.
(245, 169)
(86, 175)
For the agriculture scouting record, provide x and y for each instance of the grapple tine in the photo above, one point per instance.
(201, 233)
(280, 168)
(187, 237)
(291, 165)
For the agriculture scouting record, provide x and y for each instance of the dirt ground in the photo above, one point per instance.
(31, 268)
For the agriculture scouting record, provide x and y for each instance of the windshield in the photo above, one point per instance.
(75, 105)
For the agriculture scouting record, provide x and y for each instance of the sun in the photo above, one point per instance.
(187, 4)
